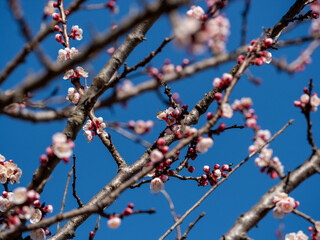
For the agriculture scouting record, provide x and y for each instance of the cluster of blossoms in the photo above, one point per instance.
(162, 172)
(23, 205)
(306, 102)
(96, 126)
(198, 30)
(73, 96)
(223, 82)
(174, 119)
(49, 8)
(265, 161)
(71, 74)
(213, 176)
(315, 235)
(284, 205)
(140, 127)
(9, 171)
(67, 53)
(262, 56)
(296, 236)
(126, 87)
(61, 148)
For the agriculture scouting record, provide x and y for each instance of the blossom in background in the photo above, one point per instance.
(284, 205)
(61, 146)
(9, 171)
(49, 9)
(156, 156)
(127, 86)
(81, 72)
(38, 234)
(204, 144)
(296, 236)
(156, 185)
(140, 127)
(195, 12)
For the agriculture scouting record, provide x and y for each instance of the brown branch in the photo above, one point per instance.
(140, 183)
(251, 218)
(29, 47)
(102, 81)
(221, 181)
(191, 225)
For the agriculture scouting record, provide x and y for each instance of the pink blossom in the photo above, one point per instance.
(156, 185)
(36, 216)
(4, 204)
(204, 144)
(226, 110)
(19, 195)
(73, 96)
(69, 74)
(284, 205)
(49, 9)
(60, 146)
(114, 222)
(76, 32)
(156, 156)
(195, 12)
(81, 72)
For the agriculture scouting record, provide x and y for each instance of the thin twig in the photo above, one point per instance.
(220, 182)
(173, 212)
(74, 182)
(65, 195)
(140, 183)
(96, 228)
(244, 27)
(191, 225)
(305, 216)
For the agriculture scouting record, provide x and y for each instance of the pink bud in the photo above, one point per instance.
(130, 205)
(36, 203)
(225, 167)
(218, 96)
(47, 232)
(191, 169)
(164, 149)
(209, 116)
(268, 42)
(240, 59)
(206, 169)
(4, 194)
(127, 212)
(161, 142)
(56, 17)
(43, 159)
(216, 166)
(49, 151)
(48, 209)
(57, 28)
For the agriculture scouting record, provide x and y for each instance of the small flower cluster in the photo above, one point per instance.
(21, 205)
(315, 235)
(140, 127)
(174, 119)
(265, 161)
(214, 176)
(67, 53)
(168, 67)
(96, 126)
(162, 171)
(126, 87)
(9, 171)
(73, 96)
(262, 56)
(306, 102)
(61, 148)
(284, 205)
(223, 82)
(71, 74)
(197, 31)
(296, 236)
(49, 8)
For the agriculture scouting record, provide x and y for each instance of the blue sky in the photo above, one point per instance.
(24, 142)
